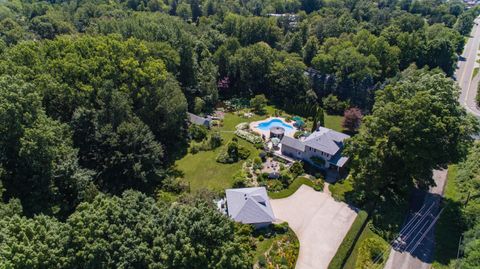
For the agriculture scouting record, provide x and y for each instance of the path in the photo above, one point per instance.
(464, 72)
(319, 222)
(417, 252)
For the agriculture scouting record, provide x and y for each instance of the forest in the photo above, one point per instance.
(94, 97)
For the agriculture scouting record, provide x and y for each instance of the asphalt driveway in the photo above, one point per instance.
(319, 222)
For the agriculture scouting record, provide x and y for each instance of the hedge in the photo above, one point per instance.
(299, 181)
(345, 249)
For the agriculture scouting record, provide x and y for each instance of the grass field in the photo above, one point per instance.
(203, 172)
(333, 122)
(341, 188)
(449, 227)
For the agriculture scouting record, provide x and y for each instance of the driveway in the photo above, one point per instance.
(319, 222)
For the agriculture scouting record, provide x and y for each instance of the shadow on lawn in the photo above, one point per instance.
(448, 230)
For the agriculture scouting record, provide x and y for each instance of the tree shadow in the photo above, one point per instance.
(448, 230)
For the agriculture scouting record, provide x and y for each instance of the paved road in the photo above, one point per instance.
(464, 72)
(319, 222)
(416, 250)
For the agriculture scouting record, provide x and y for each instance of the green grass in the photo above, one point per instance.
(291, 189)
(203, 172)
(334, 122)
(346, 247)
(475, 72)
(366, 233)
(262, 247)
(341, 188)
(449, 227)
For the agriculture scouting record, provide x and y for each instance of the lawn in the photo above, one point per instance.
(334, 122)
(366, 233)
(448, 229)
(341, 188)
(203, 172)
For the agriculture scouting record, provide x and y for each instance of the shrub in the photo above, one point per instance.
(258, 104)
(250, 137)
(333, 105)
(257, 163)
(197, 132)
(243, 153)
(195, 148)
(215, 140)
(232, 153)
(297, 169)
(298, 134)
(318, 184)
(371, 249)
(348, 242)
(239, 182)
(478, 96)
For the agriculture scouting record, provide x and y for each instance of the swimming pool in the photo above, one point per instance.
(266, 125)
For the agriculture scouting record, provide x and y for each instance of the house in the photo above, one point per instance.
(321, 148)
(250, 206)
(194, 119)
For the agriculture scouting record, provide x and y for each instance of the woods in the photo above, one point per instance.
(94, 97)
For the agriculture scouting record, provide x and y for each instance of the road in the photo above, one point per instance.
(464, 72)
(418, 233)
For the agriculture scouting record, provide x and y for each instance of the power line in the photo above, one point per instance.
(406, 227)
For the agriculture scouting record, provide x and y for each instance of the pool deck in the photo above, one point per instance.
(254, 127)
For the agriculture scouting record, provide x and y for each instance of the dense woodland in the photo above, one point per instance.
(94, 95)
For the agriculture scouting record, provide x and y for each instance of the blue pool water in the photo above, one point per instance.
(274, 123)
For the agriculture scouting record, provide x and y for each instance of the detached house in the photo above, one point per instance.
(250, 206)
(322, 148)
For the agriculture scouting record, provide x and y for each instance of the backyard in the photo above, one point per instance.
(203, 172)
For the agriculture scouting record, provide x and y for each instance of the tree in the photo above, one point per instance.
(352, 118)
(258, 103)
(250, 66)
(287, 81)
(310, 49)
(297, 169)
(416, 125)
(318, 118)
(37, 155)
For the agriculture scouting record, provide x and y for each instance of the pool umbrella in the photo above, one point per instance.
(275, 141)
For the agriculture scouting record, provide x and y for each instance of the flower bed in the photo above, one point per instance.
(242, 126)
(252, 138)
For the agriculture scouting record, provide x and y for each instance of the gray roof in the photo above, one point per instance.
(249, 205)
(338, 160)
(197, 119)
(277, 130)
(293, 143)
(326, 140)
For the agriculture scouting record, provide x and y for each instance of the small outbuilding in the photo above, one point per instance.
(250, 206)
(195, 119)
(277, 132)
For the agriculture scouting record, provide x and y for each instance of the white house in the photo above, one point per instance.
(250, 206)
(322, 148)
